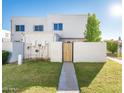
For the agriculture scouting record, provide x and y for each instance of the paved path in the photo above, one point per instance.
(68, 81)
(115, 59)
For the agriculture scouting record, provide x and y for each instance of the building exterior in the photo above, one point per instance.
(51, 28)
(38, 32)
(56, 37)
(6, 36)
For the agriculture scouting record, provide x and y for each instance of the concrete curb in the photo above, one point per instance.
(115, 59)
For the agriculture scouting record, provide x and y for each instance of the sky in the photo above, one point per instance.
(107, 11)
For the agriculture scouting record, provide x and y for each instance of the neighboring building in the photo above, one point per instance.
(51, 28)
(6, 36)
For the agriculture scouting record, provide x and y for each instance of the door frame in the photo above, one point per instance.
(63, 50)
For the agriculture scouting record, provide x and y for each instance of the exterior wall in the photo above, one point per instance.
(7, 46)
(89, 52)
(56, 52)
(6, 36)
(41, 47)
(15, 48)
(33, 40)
(82, 51)
(38, 37)
(18, 48)
(29, 23)
(73, 26)
(72, 39)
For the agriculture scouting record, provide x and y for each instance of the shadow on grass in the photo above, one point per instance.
(86, 72)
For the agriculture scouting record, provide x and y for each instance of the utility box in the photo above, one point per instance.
(19, 59)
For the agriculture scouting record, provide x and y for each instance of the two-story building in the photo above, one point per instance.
(38, 32)
(51, 37)
(51, 28)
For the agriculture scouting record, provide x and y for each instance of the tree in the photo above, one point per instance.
(112, 46)
(92, 33)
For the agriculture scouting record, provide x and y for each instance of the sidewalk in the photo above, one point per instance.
(68, 81)
(115, 59)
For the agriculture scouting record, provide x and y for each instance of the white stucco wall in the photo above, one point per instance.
(15, 48)
(18, 48)
(38, 37)
(7, 46)
(82, 51)
(43, 50)
(29, 23)
(89, 52)
(6, 36)
(56, 51)
(73, 26)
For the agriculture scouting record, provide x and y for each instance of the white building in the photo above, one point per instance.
(38, 32)
(51, 28)
(47, 37)
(6, 36)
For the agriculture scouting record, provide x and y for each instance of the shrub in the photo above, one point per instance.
(119, 55)
(5, 56)
(112, 46)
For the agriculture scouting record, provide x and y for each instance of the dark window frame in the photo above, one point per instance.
(38, 27)
(58, 26)
(20, 28)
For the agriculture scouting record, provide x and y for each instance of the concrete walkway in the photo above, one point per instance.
(115, 59)
(68, 81)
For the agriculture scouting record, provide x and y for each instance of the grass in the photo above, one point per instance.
(115, 55)
(99, 77)
(31, 77)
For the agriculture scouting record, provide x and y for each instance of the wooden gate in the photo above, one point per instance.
(67, 52)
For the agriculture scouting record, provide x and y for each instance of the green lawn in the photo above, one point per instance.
(31, 77)
(116, 55)
(99, 77)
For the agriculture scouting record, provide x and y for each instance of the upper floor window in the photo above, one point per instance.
(38, 28)
(20, 28)
(58, 26)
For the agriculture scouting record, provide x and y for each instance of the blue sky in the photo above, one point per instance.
(111, 25)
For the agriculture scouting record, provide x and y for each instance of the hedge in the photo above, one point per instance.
(5, 56)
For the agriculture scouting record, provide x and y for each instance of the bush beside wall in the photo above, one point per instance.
(112, 46)
(5, 57)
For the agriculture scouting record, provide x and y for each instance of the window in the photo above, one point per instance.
(55, 27)
(6, 34)
(20, 27)
(58, 26)
(38, 28)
